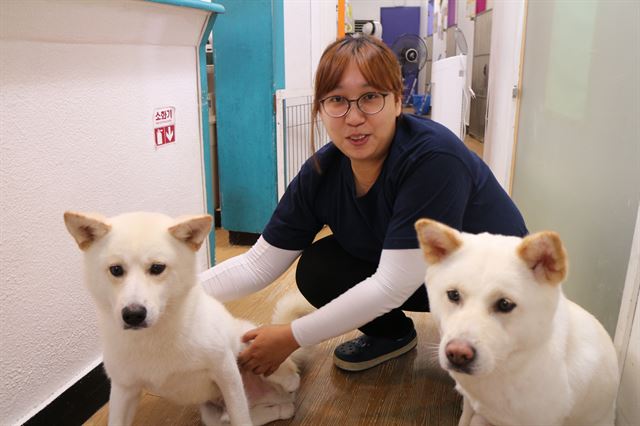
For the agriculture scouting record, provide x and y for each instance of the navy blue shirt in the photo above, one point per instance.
(428, 173)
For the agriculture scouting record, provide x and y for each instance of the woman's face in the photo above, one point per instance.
(361, 137)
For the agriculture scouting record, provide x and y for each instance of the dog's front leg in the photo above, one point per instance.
(470, 417)
(123, 401)
(228, 378)
(467, 412)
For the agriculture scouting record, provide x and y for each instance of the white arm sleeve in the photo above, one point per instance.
(248, 272)
(398, 276)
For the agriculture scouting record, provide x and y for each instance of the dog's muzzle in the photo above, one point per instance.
(134, 316)
(461, 355)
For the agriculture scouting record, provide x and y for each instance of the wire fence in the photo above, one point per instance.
(293, 120)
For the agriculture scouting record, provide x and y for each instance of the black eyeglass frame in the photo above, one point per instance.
(356, 101)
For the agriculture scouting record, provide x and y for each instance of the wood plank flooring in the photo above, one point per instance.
(410, 390)
(474, 145)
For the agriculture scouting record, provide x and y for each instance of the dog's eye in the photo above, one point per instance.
(453, 295)
(505, 305)
(157, 268)
(116, 270)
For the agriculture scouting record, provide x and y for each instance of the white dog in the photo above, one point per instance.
(519, 351)
(160, 331)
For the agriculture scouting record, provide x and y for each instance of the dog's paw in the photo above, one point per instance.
(210, 414)
(267, 413)
(292, 383)
(286, 376)
(289, 382)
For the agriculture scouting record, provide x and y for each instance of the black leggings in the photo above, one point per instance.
(326, 270)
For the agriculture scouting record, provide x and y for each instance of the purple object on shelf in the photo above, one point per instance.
(451, 14)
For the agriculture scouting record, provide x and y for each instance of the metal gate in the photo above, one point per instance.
(293, 133)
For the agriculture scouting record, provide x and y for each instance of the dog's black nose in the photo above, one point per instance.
(460, 353)
(134, 315)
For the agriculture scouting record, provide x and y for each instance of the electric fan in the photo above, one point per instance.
(461, 41)
(411, 51)
(372, 28)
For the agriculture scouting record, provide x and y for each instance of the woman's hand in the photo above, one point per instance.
(270, 346)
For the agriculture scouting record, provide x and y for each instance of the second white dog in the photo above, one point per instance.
(519, 351)
(159, 329)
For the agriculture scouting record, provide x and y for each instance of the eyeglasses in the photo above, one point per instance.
(338, 106)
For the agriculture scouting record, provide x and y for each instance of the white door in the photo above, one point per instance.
(448, 80)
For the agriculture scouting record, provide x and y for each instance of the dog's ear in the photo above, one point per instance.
(545, 255)
(192, 230)
(86, 228)
(436, 239)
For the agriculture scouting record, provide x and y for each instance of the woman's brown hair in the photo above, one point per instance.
(377, 63)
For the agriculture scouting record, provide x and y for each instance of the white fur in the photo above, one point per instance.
(547, 362)
(186, 349)
(290, 307)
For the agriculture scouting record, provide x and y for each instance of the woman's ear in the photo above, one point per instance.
(398, 106)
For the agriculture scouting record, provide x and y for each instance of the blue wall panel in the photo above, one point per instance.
(397, 21)
(249, 67)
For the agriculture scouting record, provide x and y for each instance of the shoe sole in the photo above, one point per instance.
(365, 365)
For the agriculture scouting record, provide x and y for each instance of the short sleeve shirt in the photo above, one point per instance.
(428, 173)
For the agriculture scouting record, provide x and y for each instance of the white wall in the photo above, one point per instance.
(504, 66)
(439, 35)
(309, 26)
(467, 26)
(370, 9)
(76, 128)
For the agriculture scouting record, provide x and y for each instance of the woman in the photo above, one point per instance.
(382, 172)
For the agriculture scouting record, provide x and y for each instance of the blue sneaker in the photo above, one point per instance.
(367, 351)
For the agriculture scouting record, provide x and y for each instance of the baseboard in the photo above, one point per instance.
(217, 218)
(78, 403)
(237, 238)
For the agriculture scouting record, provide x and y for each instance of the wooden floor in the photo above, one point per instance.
(474, 145)
(410, 390)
